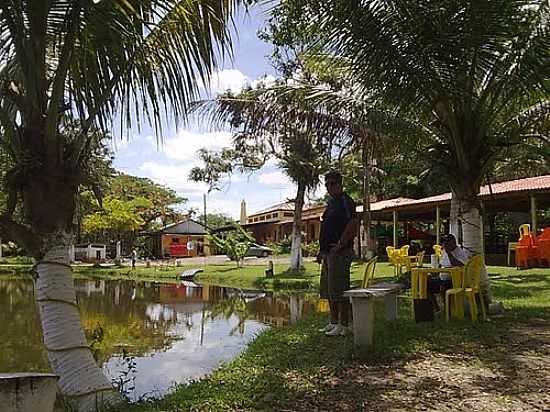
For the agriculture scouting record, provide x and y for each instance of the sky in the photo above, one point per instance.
(170, 162)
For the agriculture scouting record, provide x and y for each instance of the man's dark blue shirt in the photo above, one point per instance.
(340, 210)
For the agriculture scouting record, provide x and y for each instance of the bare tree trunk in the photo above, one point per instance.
(81, 381)
(296, 247)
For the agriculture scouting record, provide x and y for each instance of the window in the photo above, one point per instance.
(288, 214)
(175, 240)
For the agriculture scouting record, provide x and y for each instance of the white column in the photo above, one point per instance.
(395, 228)
(118, 249)
(534, 215)
(437, 225)
(71, 254)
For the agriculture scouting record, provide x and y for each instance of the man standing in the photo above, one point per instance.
(338, 229)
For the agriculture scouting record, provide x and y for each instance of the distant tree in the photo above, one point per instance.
(216, 220)
(234, 243)
(165, 202)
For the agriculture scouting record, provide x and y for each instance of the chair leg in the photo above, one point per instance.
(447, 307)
(482, 303)
(473, 306)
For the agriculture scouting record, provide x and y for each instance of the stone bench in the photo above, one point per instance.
(362, 303)
(27, 392)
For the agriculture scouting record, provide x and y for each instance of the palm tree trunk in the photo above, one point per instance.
(296, 246)
(466, 208)
(81, 381)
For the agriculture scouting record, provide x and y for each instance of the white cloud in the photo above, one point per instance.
(227, 79)
(174, 176)
(186, 143)
(276, 178)
(234, 80)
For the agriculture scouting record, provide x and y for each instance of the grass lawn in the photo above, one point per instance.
(500, 365)
(226, 274)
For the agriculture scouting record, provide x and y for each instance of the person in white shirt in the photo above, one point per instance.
(453, 255)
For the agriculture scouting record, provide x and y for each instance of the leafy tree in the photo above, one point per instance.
(163, 200)
(117, 217)
(234, 243)
(88, 59)
(216, 220)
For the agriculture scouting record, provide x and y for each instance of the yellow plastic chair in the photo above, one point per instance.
(524, 230)
(322, 305)
(393, 257)
(404, 251)
(369, 272)
(454, 298)
(417, 260)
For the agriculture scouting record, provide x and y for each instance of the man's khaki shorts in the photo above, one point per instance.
(335, 275)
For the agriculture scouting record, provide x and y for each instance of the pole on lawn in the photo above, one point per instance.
(395, 228)
(437, 225)
(534, 215)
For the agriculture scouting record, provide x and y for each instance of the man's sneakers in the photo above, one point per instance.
(328, 327)
(338, 330)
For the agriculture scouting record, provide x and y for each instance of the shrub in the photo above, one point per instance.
(311, 248)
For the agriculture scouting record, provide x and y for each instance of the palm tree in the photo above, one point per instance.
(271, 124)
(474, 76)
(91, 60)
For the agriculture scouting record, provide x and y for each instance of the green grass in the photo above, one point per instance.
(297, 368)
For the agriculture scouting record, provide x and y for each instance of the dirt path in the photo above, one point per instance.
(511, 377)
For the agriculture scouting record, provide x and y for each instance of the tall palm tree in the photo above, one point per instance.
(475, 75)
(269, 123)
(92, 60)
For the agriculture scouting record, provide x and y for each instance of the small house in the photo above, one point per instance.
(186, 238)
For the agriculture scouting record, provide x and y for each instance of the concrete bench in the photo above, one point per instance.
(27, 392)
(362, 303)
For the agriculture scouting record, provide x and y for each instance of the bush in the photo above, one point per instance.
(282, 247)
(311, 248)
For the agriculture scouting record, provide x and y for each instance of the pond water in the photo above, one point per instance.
(148, 336)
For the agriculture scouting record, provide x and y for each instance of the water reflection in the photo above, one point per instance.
(173, 332)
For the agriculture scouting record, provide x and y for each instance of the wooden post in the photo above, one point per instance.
(269, 270)
(437, 225)
(482, 228)
(395, 228)
(0, 248)
(533, 215)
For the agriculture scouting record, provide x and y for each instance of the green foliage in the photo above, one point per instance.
(311, 248)
(164, 201)
(234, 244)
(216, 220)
(117, 216)
(467, 78)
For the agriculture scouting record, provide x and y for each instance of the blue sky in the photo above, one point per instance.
(170, 163)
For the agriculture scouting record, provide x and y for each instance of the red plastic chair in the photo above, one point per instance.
(543, 241)
(527, 250)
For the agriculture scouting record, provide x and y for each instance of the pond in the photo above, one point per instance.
(148, 336)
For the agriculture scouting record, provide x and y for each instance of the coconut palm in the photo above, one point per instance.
(91, 60)
(474, 75)
(268, 123)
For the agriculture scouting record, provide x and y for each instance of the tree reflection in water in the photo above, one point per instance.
(175, 332)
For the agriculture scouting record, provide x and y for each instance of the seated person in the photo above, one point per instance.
(453, 255)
